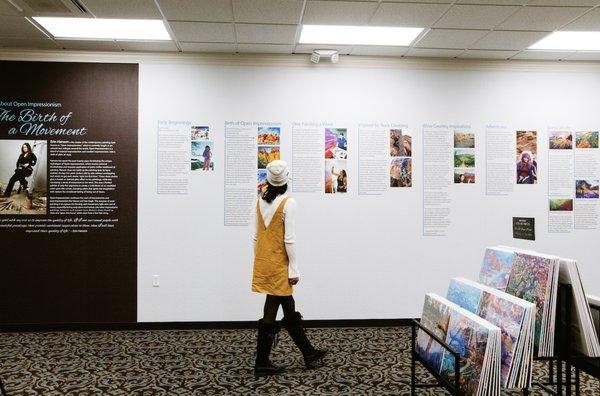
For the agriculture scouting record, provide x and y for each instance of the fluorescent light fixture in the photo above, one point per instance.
(358, 35)
(574, 41)
(104, 29)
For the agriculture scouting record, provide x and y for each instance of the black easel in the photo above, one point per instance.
(453, 388)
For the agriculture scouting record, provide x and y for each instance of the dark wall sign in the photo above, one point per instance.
(524, 228)
(68, 192)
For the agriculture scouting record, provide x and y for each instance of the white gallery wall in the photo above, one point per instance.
(360, 256)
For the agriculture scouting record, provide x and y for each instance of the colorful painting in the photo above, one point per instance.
(469, 339)
(560, 140)
(269, 135)
(464, 158)
(435, 317)
(464, 295)
(529, 280)
(464, 140)
(561, 205)
(585, 140)
(508, 316)
(496, 268)
(267, 154)
(336, 143)
(586, 189)
(401, 172)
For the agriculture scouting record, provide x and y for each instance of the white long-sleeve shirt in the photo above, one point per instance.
(289, 212)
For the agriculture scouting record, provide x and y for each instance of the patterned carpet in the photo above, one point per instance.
(363, 361)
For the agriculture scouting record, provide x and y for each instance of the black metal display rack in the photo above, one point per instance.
(561, 359)
(589, 365)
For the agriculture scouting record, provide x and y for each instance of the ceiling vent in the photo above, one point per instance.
(63, 7)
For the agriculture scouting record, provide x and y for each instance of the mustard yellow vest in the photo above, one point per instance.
(270, 275)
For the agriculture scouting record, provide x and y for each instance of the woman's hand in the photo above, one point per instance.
(293, 281)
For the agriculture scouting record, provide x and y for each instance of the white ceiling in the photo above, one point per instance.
(489, 29)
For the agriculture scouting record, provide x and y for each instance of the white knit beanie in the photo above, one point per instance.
(277, 173)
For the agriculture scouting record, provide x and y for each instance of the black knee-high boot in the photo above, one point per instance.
(265, 339)
(293, 324)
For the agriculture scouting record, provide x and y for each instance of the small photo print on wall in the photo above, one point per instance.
(336, 143)
(400, 143)
(267, 154)
(336, 176)
(586, 189)
(269, 136)
(559, 140)
(202, 155)
(586, 140)
(464, 140)
(401, 172)
(262, 180)
(527, 172)
(23, 180)
(462, 176)
(561, 205)
(200, 133)
(464, 158)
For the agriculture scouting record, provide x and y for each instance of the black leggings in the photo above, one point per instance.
(272, 306)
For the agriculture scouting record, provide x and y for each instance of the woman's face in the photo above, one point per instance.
(25, 148)
(525, 159)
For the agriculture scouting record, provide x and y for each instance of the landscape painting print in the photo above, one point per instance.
(463, 295)
(469, 339)
(508, 316)
(497, 265)
(529, 281)
(435, 317)
(559, 140)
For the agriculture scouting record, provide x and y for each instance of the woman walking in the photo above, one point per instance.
(207, 154)
(276, 271)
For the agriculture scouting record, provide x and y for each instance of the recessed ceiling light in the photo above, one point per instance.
(574, 41)
(104, 29)
(358, 35)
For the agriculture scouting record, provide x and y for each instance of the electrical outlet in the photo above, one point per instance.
(155, 281)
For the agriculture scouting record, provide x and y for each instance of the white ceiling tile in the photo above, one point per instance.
(450, 38)
(477, 54)
(207, 47)
(308, 48)
(7, 9)
(544, 55)
(585, 56)
(266, 48)
(149, 46)
(475, 16)
(28, 43)
(506, 40)
(18, 27)
(267, 11)
(376, 50)
(407, 14)
(203, 32)
(265, 34)
(338, 12)
(589, 21)
(493, 2)
(197, 10)
(134, 9)
(434, 53)
(541, 18)
(88, 45)
(582, 3)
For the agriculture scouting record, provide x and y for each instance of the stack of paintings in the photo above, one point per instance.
(515, 318)
(532, 277)
(476, 340)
